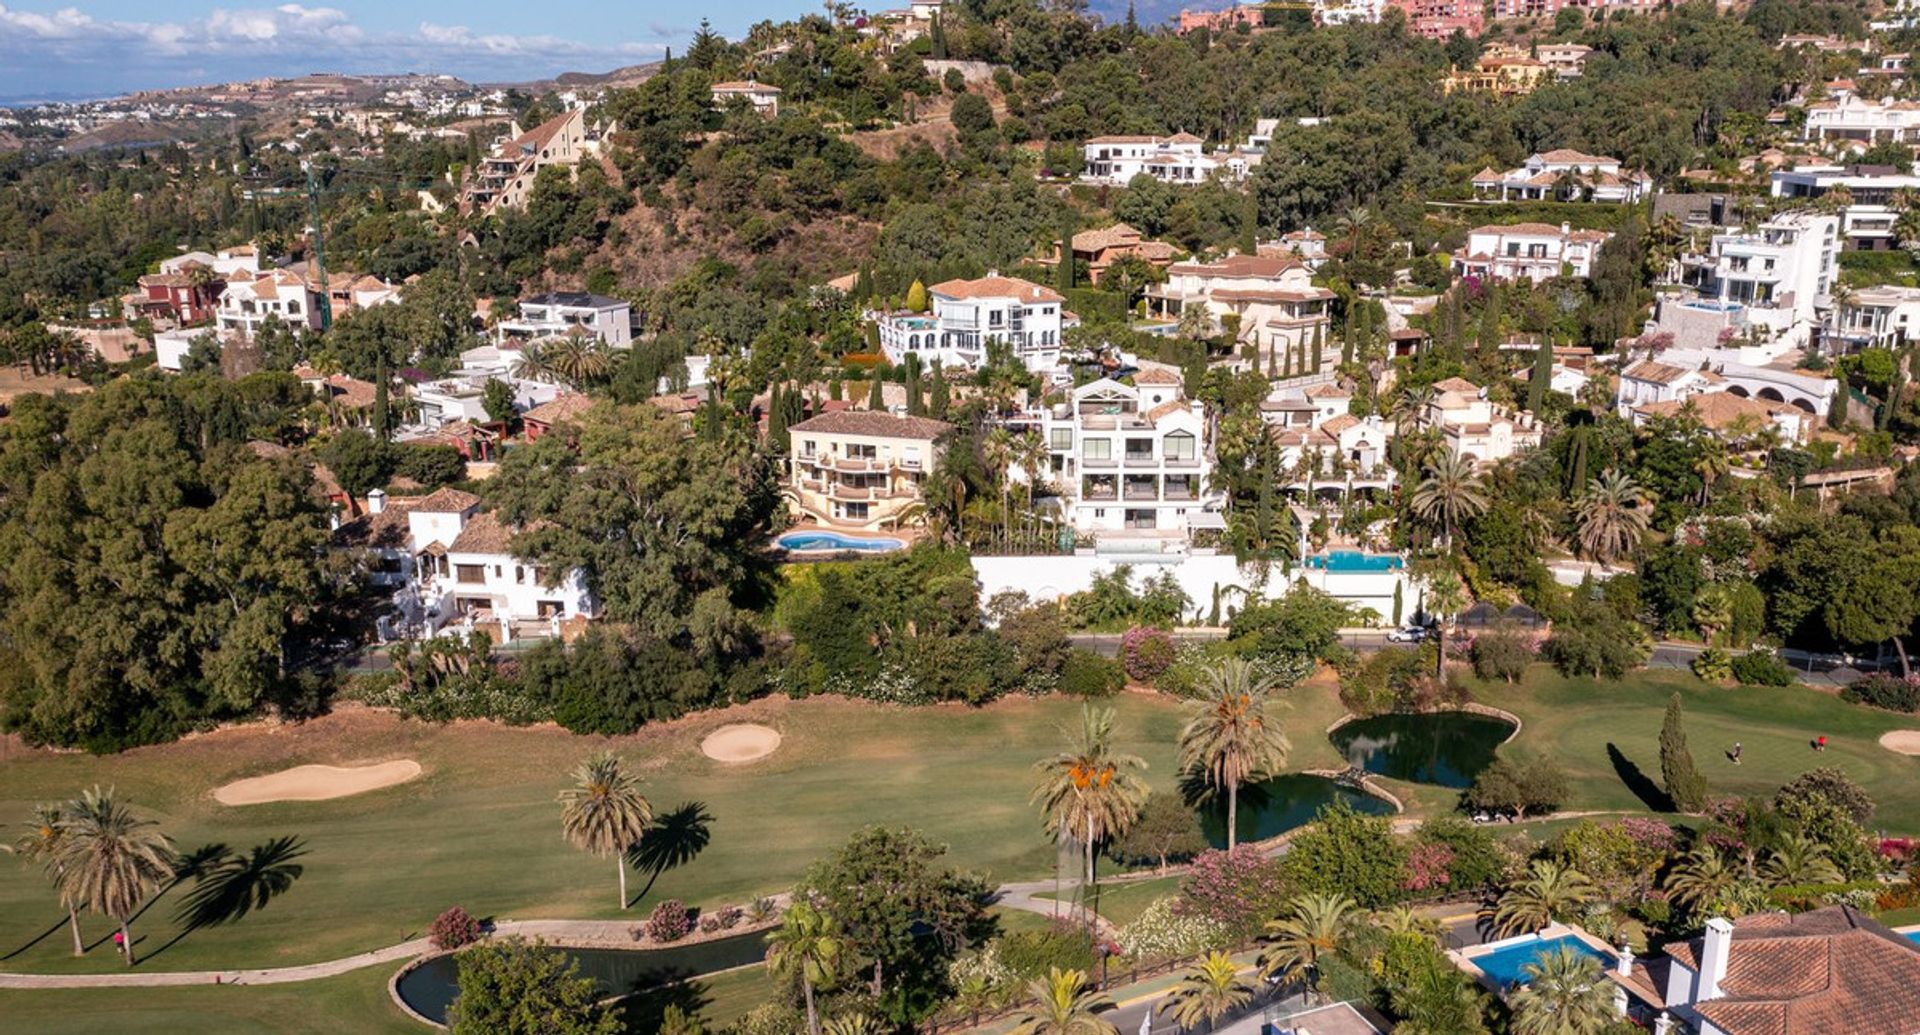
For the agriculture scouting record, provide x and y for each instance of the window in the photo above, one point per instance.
(550, 609)
(862, 452)
(1179, 446)
(519, 575)
(1097, 448)
(470, 572)
(857, 511)
(1062, 439)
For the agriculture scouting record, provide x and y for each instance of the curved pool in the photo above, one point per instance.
(1354, 561)
(1447, 749)
(820, 541)
(430, 988)
(1273, 807)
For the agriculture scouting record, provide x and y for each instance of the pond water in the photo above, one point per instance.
(431, 987)
(1273, 807)
(1444, 748)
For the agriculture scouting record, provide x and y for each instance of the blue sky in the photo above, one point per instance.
(102, 47)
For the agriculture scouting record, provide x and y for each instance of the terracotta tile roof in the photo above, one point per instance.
(1184, 138)
(744, 86)
(1715, 409)
(447, 501)
(386, 530)
(560, 408)
(874, 424)
(481, 533)
(1165, 409)
(1829, 970)
(1240, 266)
(1115, 236)
(1656, 372)
(1328, 391)
(1457, 384)
(1123, 140)
(1486, 175)
(993, 286)
(1157, 376)
(1336, 425)
(1568, 156)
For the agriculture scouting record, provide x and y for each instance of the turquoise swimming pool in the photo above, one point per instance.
(1356, 561)
(801, 542)
(1507, 965)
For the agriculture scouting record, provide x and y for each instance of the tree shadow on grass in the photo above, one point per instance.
(1650, 793)
(673, 839)
(228, 886)
(644, 1010)
(38, 938)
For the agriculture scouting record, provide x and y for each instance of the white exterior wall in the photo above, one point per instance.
(1051, 578)
(956, 332)
(510, 585)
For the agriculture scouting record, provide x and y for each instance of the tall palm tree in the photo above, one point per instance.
(1611, 516)
(1701, 879)
(1712, 465)
(1451, 493)
(1090, 791)
(1549, 892)
(1231, 735)
(1308, 931)
(1410, 410)
(41, 843)
(576, 358)
(1208, 991)
(1031, 452)
(1566, 994)
(997, 450)
(807, 944)
(1064, 1004)
(1799, 859)
(109, 859)
(604, 813)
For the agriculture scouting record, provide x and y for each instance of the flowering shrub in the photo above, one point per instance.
(1429, 866)
(670, 921)
(1897, 850)
(894, 685)
(984, 977)
(1147, 652)
(1239, 890)
(760, 909)
(1885, 691)
(453, 928)
(1165, 931)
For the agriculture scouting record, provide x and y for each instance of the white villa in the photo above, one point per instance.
(1884, 317)
(1565, 175)
(1130, 460)
(1866, 222)
(449, 563)
(965, 315)
(862, 469)
(238, 261)
(1776, 280)
(1325, 450)
(1851, 118)
(1279, 308)
(1178, 159)
(560, 313)
(245, 304)
(463, 398)
(1476, 428)
(1528, 251)
(764, 98)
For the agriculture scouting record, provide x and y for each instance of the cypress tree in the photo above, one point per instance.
(915, 406)
(1542, 377)
(1250, 224)
(1356, 322)
(1685, 786)
(1286, 368)
(1399, 604)
(1319, 342)
(1490, 334)
(777, 416)
(877, 397)
(938, 33)
(937, 407)
(836, 389)
(380, 416)
(1064, 272)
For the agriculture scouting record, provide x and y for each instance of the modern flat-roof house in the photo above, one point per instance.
(765, 99)
(966, 315)
(240, 260)
(1568, 60)
(1279, 307)
(1476, 428)
(246, 303)
(1130, 460)
(1827, 971)
(1528, 251)
(1099, 249)
(1867, 219)
(557, 314)
(449, 563)
(1884, 317)
(1871, 122)
(1777, 279)
(1565, 175)
(1178, 159)
(862, 469)
(505, 177)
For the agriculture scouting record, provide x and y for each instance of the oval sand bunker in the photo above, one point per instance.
(742, 742)
(316, 783)
(1905, 742)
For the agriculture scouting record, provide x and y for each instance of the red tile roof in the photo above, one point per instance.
(874, 424)
(1831, 970)
(996, 287)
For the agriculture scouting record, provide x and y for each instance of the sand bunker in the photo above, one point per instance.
(316, 783)
(1906, 742)
(742, 742)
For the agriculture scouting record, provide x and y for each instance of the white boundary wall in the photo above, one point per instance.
(1054, 577)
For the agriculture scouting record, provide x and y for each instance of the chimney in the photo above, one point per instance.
(1565, 229)
(1623, 966)
(376, 501)
(1663, 1023)
(1713, 958)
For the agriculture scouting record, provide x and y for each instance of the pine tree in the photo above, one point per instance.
(1685, 786)
(1132, 23)
(1542, 377)
(877, 396)
(937, 406)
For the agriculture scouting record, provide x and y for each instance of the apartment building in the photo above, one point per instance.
(1528, 251)
(448, 562)
(862, 469)
(1870, 122)
(966, 315)
(1440, 19)
(561, 313)
(1868, 217)
(1279, 308)
(1130, 459)
(1565, 175)
(505, 177)
(1474, 427)
(1884, 317)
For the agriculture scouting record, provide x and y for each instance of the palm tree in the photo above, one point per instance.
(1701, 880)
(1611, 516)
(1451, 493)
(1031, 452)
(1565, 994)
(1229, 736)
(1208, 991)
(1064, 1004)
(997, 450)
(1353, 222)
(1410, 410)
(1799, 859)
(1402, 919)
(1550, 892)
(1090, 791)
(853, 1024)
(807, 944)
(575, 358)
(41, 844)
(109, 859)
(1712, 465)
(603, 813)
(1311, 929)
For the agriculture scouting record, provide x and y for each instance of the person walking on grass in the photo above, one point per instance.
(1736, 752)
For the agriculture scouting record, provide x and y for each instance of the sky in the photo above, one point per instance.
(99, 48)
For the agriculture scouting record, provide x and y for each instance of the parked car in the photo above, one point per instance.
(1411, 634)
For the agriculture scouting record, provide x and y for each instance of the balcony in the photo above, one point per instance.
(855, 464)
(1180, 461)
(909, 463)
(1099, 462)
(853, 494)
(1142, 460)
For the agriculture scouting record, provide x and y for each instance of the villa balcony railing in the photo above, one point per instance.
(1099, 494)
(1101, 462)
(1180, 461)
(1142, 460)
(1147, 494)
(909, 464)
(858, 494)
(855, 464)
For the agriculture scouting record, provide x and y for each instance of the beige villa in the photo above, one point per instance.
(862, 469)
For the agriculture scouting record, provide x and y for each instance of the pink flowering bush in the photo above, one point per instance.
(1147, 652)
(670, 921)
(453, 928)
(1239, 890)
(1429, 867)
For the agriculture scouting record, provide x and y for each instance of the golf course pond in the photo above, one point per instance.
(1273, 807)
(1446, 749)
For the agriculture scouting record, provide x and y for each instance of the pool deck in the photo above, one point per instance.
(1636, 985)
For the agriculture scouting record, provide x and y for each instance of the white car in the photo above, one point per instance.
(1411, 634)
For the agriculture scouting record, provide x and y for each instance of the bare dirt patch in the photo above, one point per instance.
(740, 742)
(1904, 742)
(316, 782)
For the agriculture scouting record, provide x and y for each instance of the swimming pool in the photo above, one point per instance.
(1912, 936)
(802, 542)
(1356, 561)
(1506, 965)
